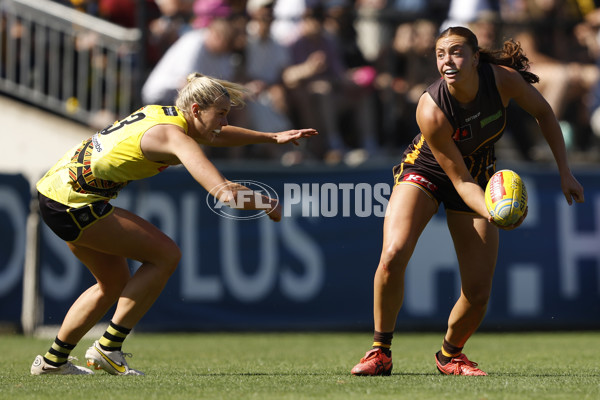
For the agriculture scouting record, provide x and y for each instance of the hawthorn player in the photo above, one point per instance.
(460, 117)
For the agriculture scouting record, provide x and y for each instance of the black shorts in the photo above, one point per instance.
(68, 222)
(436, 185)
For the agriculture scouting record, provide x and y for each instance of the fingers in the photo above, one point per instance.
(574, 195)
(275, 213)
(513, 226)
(308, 132)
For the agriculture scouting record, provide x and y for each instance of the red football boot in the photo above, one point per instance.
(459, 365)
(375, 362)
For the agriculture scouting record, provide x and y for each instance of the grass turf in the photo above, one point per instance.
(315, 366)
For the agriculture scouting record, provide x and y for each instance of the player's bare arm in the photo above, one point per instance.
(237, 136)
(438, 133)
(169, 143)
(511, 85)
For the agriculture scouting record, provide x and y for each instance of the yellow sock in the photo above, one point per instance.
(59, 352)
(113, 338)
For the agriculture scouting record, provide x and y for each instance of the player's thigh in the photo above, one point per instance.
(476, 244)
(127, 235)
(408, 212)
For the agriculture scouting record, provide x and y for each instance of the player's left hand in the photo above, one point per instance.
(275, 212)
(294, 135)
(572, 189)
(513, 226)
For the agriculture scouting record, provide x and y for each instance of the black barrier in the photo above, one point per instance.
(314, 270)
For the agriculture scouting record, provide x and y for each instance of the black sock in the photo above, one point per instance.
(59, 352)
(448, 352)
(113, 338)
(383, 341)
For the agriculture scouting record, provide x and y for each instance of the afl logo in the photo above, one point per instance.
(256, 193)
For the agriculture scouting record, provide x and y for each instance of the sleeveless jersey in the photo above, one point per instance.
(99, 167)
(476, 127)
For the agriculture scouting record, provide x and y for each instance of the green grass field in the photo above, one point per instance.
(315, 366)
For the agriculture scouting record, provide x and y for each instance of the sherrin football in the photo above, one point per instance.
(506, 197)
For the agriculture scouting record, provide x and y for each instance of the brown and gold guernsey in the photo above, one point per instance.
(98, 168)
(476, 127)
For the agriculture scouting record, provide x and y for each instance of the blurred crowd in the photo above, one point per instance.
(355, 69)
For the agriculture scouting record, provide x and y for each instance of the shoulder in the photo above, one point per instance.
(509, 82)
(506, 75)
(429, 114)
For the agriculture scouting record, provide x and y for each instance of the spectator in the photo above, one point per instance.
(567, 73)
(371, 32)
(392, 86)
(174, 21)
(465, 12)
(208, 50)
(361, 74)
(265, 60)
(286, 26)
(405, 68)
(320, 88)
(206, 11)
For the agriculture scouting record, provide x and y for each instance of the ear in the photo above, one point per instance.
(476, 59)
(195, 109)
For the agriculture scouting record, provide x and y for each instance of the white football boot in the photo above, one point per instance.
(112, 362)
(41, 367)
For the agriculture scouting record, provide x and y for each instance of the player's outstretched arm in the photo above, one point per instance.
(237, 136)
(168, 143)
(513, 86)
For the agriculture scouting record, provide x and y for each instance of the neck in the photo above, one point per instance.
(465, 92)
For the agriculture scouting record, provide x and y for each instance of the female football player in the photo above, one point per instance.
(450, 161)
(74, 202)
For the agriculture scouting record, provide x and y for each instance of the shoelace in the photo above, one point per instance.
(460, 361)
(121, 357)
(370, 355)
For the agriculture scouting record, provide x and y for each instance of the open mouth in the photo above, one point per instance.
(216, 131)
(450, 72)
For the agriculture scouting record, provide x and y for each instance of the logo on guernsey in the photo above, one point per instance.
(462, 133)
(96, 143)
(421, 181)
(472, 117)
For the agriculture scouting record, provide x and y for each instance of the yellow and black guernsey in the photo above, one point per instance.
(476, 127)
(99, 167)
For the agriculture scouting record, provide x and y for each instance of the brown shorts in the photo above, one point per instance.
(68, 222)
(437, 186)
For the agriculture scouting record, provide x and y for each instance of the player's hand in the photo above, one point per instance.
(572, 189)
(294, 135)
(510, 227)
(275, 212)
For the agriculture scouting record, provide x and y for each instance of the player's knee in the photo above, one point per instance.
(111, 290)
(395, 256)
(478, 297)
(171, 255)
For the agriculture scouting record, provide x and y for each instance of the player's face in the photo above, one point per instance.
(210, 120)
(455, 59)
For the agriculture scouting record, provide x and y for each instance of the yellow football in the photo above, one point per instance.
(506, 197)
